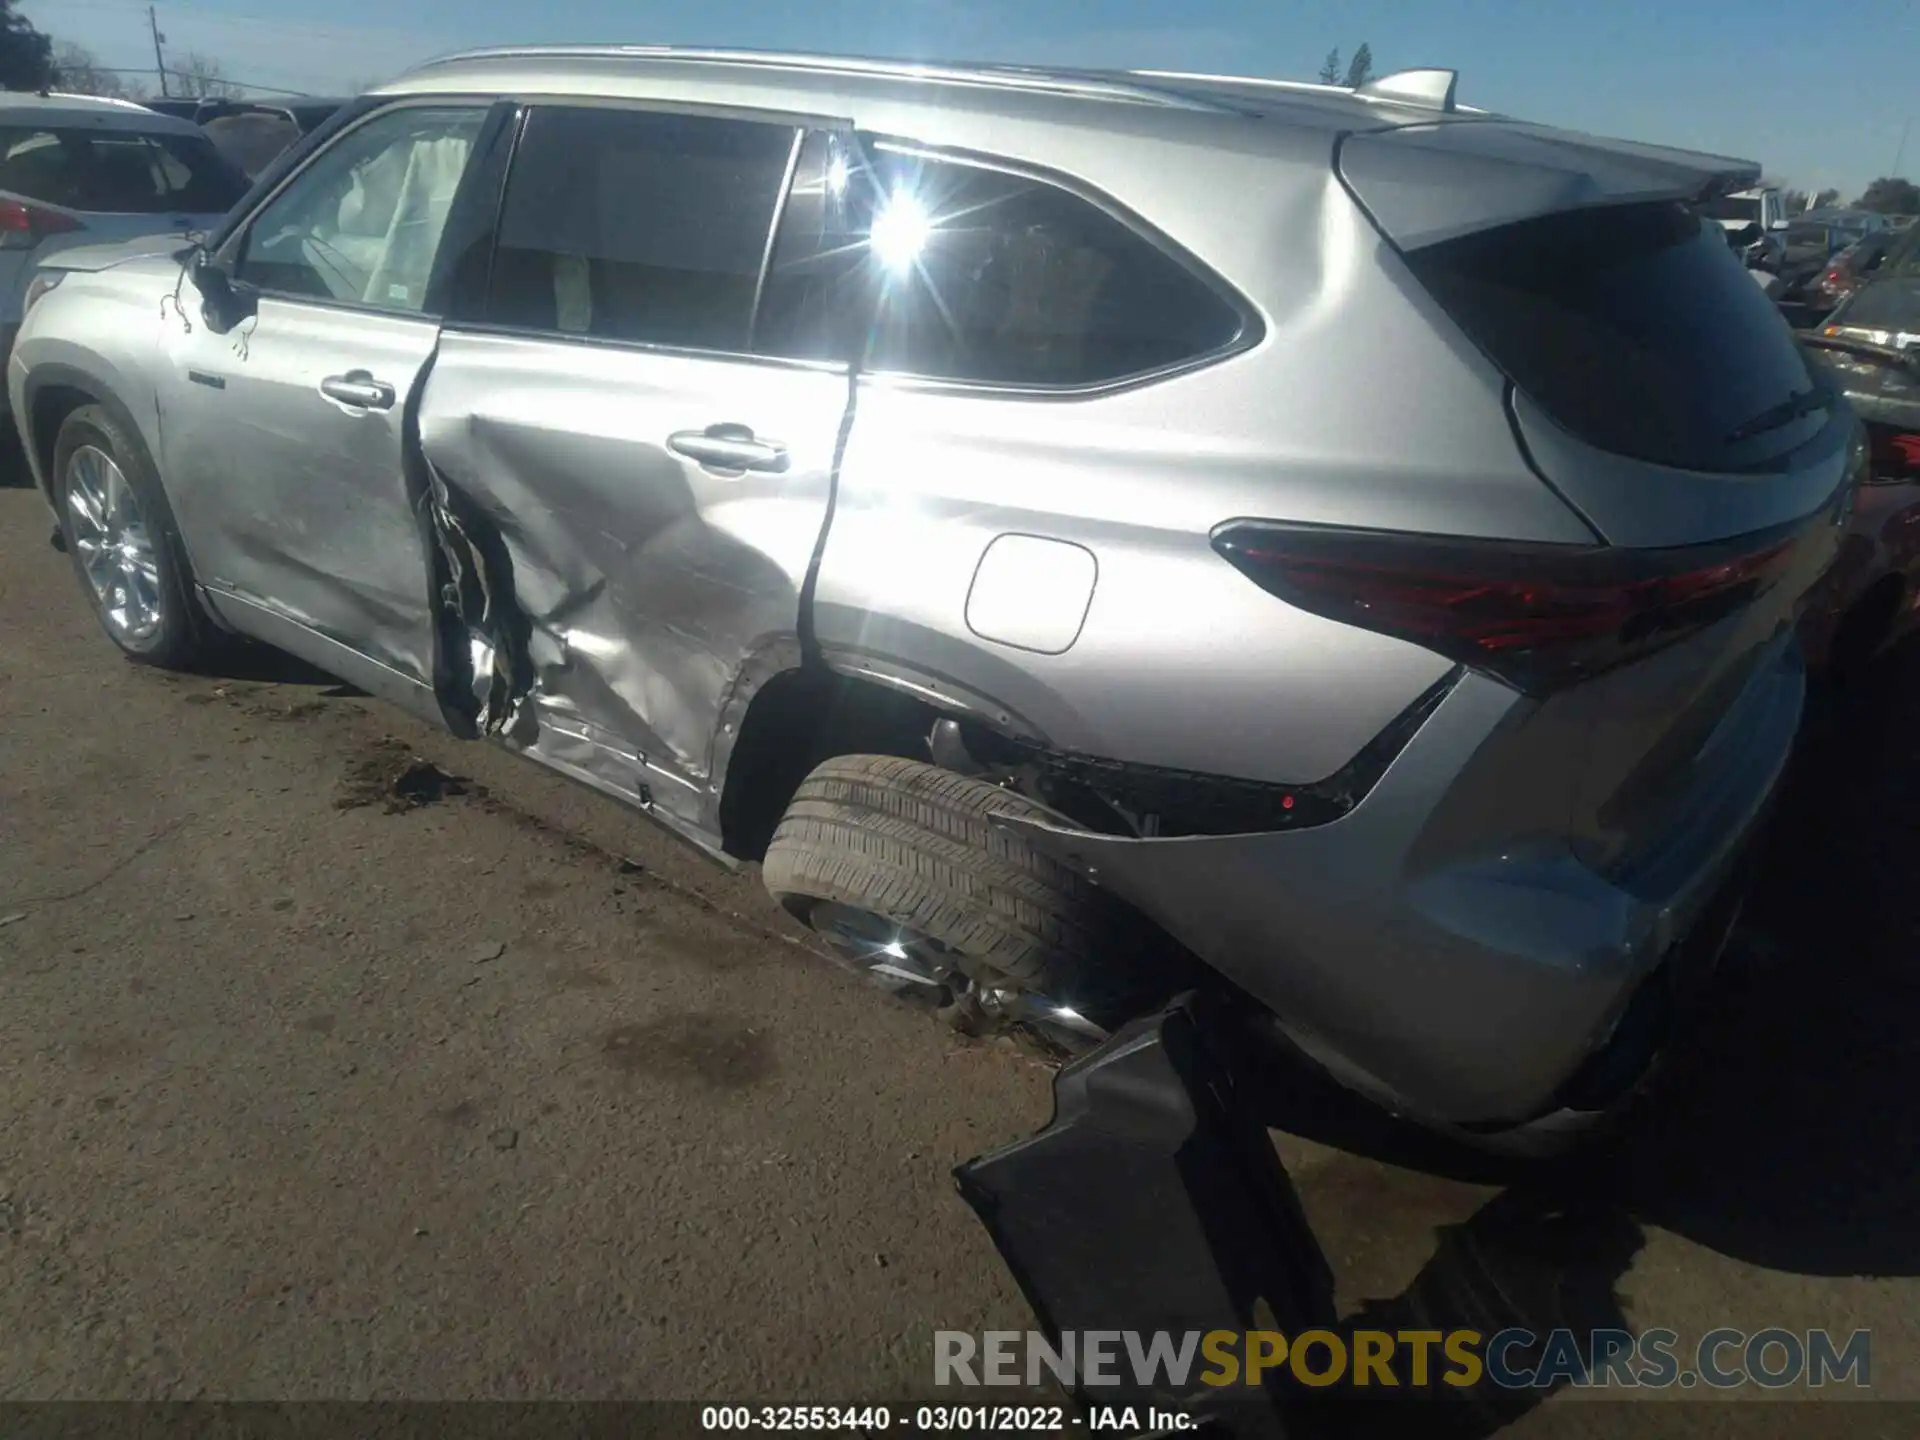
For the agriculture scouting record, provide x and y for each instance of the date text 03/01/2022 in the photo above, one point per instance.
(939, 1419)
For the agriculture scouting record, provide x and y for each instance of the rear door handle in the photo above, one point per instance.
(730, 447)
(358, 389)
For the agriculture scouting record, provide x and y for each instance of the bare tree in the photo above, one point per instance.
(201, 77)
(1330, 71)
(78, 72)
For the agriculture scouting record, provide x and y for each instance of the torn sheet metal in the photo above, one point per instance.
(619, 595)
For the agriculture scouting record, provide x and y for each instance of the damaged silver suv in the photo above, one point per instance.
(1059, 524)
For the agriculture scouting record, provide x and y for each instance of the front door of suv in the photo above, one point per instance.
(647, 490)
(285, 439)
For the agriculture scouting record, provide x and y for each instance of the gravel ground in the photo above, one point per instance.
(490, 1091)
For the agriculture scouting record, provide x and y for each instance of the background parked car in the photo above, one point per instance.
(1850, 269)
(1858, 223)
(1885, 310)
(1871, 346)
(1867, 599)
(1813, 241)
(75, 169)
(1764, 206)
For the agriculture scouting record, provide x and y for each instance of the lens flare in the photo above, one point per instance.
(900, 231)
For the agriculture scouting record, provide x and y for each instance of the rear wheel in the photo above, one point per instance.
(120, 535)
(901, 870)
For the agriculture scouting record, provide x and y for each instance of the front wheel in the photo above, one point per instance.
(901, 870)
(120, 535)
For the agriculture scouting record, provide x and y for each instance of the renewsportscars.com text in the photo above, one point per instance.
(1512, 1359)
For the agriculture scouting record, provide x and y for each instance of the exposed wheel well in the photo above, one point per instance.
(796, 720)
(51, 407)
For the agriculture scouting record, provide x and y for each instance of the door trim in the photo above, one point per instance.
(270, 626)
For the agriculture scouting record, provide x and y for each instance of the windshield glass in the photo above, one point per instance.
(1733, 207)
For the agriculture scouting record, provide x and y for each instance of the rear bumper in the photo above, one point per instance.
(1464, 992)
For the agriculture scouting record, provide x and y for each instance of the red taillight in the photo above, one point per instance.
(1896, 455)
(1536, 616)
(23, 226)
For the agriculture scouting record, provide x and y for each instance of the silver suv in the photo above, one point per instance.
(1036, 515)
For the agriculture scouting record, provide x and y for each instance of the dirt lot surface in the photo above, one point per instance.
(315, 1087)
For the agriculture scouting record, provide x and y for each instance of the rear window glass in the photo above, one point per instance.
(119, 171)
(1636, 327)
(252, 140)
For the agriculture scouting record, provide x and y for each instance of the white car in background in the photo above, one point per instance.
(80, 170)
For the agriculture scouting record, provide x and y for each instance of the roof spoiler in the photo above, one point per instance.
(1426, 183)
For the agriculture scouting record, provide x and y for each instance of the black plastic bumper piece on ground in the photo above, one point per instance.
(1154, 1201)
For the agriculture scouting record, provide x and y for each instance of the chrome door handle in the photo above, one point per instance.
(359, 389)
(729, 447)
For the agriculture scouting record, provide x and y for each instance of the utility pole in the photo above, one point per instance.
(158, 63)
(1901, 153)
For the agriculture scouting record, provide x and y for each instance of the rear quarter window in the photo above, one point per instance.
(1019, 282)
(946, 269)
(1635, 327)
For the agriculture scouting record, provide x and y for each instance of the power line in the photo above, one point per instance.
(189, 75)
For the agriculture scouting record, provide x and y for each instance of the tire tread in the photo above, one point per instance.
(919, 846)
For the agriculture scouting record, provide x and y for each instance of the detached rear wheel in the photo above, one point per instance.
(900, 869)
(120, 535)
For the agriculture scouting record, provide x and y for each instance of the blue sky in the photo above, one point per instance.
(1818, 93)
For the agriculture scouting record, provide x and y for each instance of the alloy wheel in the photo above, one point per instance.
(114, 545)
(920, 969)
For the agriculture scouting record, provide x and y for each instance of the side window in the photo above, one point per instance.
(361, 223)
(821, 288)
(634, 225)
(994, 277)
